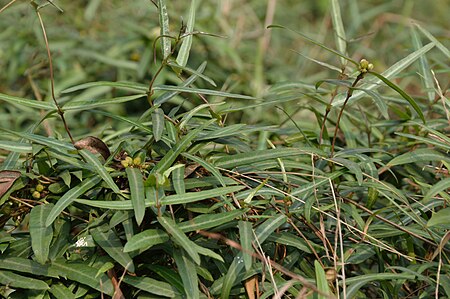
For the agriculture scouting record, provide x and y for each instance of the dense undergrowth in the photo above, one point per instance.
(222, 155)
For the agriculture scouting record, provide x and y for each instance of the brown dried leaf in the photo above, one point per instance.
(94, 145)
(7, 178)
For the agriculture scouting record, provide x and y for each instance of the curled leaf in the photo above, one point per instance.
(94, 145)
(7, 178)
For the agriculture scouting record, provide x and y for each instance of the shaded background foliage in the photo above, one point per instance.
(375, 200)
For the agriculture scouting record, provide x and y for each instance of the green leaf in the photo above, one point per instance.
(158, 123)
(13, 280)
(169, 95)
(418, 155)
(355, 283)
(188, 274)
(342, 55)
(167, 200)
(235, 272)
(250, 158)
(164, 29)
(71, 196)
(208, 221)
(172, 155)
(95, 103)
(183, 53)
(340, 38)
(84, 274)
(41, 235)
(178, 67)
(93, 160)
(440, 217)
(136, 182)
(180, 238)
(18, 147)
(321, 280)
(202, 91)
(110, 243)
(47, 141)
(60, 291)
(441, 186)
(208, 166)
(151, 285)
(390, 73)
(145, 240)
(25, 265)
(290, 240)
(22, 102)
(178, 180)
(246, 237)
(400, 91)
(119, 85)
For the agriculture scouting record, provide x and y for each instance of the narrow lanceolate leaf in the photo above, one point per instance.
(167, 200)
(118, 85)
(390, 73)
(208, 221)
(425, 68)
(70, 196)
(158, 123)
(203, 91)
(27, 103)
(24, 265)
(407, 97)
(60, 291)
(169, 95)
(321, 280)
(235, 271)
(445, 50)
(290, 240)
(110, 243)
(136, 182)
(178, 180)
(95, 103)
(84, 274)
(172, 155)
(188, 274)
(100, 169)
(13, 280)
(47, 141)
(261, 155)
(146, 240)
(18, 147)
(41, 235)
(180, 238)
(246, 237)
(196, 196)
(266, 229)
(338, 26)
(151, 285)
(441, 186)
(165, 31)
(419, 155)
(183, 54)
(208, 166)
(440, 217)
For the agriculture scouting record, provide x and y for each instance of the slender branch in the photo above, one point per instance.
(349, 95)
(7, 5)
(52, 79)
